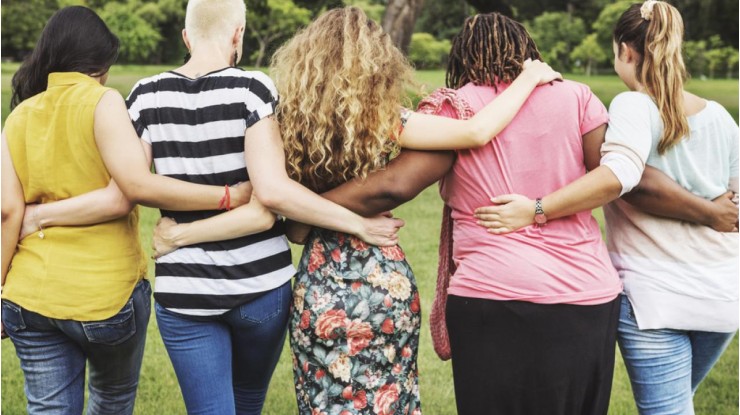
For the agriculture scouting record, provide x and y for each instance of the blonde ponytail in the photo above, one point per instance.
(655, 30)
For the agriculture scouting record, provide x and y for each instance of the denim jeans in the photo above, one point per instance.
(666, 366)
(224, 363)
(53, 354)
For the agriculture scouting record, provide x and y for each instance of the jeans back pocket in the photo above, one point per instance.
(267, 306)
(114, 330)
(12, 317)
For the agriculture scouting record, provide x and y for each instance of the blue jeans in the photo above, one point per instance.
(53, 354)
(666, 366)
(224, 363)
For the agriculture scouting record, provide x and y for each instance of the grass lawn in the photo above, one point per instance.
(158, 390)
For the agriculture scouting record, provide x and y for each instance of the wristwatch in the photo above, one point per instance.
(539, 215)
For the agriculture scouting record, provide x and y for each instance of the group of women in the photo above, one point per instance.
(530, 301)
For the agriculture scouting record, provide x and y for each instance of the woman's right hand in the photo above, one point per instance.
(380, 230)
(725, 217)
(540, 71)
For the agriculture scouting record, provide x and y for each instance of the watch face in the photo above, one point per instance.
(540, 219)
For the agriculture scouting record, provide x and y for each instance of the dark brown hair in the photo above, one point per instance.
(74, 39)
(490, 48)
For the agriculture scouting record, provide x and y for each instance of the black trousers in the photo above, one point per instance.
(514, 357)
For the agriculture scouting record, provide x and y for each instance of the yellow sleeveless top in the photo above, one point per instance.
(83, 273)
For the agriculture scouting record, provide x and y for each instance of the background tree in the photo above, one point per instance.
(720, 58)
(556, 34)
(278, 21)
(604, 24)
(139, 39)
(399, 20)
(427, 52)
(22, 22)
(373, 9)
(443, 18)
(588, 54)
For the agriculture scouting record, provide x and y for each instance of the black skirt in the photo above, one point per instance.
(515, 357)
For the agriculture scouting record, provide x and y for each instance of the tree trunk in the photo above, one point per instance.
(260, 53)
(399, 20)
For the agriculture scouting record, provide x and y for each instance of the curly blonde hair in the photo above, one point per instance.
(341, 83)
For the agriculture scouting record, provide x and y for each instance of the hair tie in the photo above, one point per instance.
(646, 11)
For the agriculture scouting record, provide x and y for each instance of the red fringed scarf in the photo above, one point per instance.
(440, 339)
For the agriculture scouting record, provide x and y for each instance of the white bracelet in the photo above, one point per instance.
(38, 224)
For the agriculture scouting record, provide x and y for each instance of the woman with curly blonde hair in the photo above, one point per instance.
(354, 327)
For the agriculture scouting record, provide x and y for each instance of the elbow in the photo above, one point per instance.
(136, 194)
(399, 192)
(273, 200)
(476, 136)
(12, 212)
(121, 207)
(265, 222)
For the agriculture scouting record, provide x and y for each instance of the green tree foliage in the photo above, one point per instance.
(373, 9)
(604, 24)
(720, 58)
(281, 19)
(694, 57)
(556, 34)
(443, 18)
(529, 9)
(588, 54)
(427, 52)
(22, 22)
(139, 38)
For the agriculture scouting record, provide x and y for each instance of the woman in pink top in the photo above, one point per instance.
(531, 315)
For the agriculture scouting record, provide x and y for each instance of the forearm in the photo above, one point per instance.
(402, 180)
(660, 195)
(97, 206)
(11, 226)
(597, 188)
(429, 132)
(157, 191)
(245, 220)
(294, 201)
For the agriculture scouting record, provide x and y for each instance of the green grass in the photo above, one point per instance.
(158, 390)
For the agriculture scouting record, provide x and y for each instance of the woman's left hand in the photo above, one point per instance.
(163, 239)
(510, 213)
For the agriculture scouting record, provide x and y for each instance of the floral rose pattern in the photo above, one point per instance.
(354, 329)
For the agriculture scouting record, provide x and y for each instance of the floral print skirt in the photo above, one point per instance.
(354, 329)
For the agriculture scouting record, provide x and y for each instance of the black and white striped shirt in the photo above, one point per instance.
(196, 130)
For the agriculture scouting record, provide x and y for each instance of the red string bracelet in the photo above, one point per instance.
(225, 202)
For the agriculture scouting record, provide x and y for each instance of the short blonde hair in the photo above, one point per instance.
(213, 19)
(341, 83)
